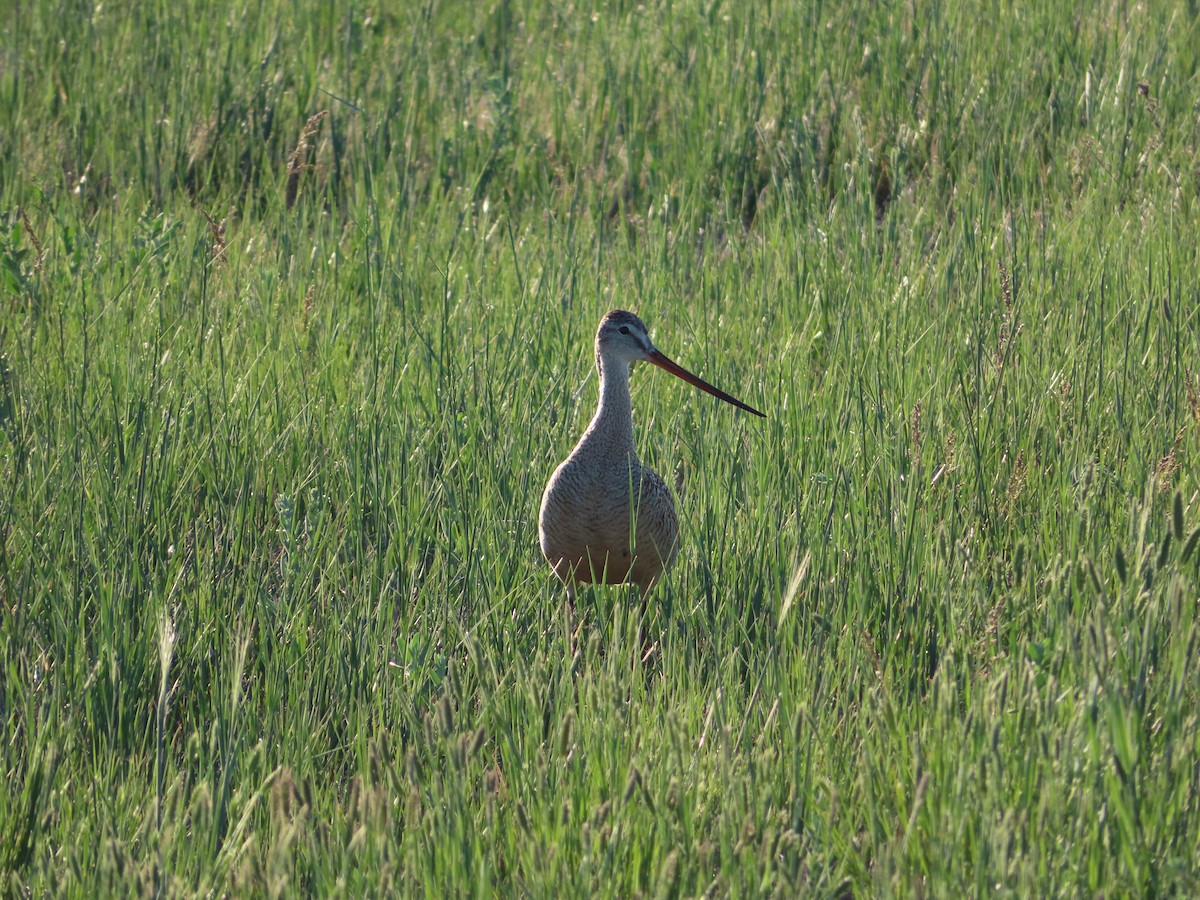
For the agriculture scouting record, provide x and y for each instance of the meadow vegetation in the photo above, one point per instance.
(297, 304)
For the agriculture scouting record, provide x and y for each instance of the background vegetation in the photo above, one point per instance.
(298, 301)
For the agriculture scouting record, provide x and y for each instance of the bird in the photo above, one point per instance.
(605, 517)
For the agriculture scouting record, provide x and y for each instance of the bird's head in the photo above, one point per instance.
(622, 340)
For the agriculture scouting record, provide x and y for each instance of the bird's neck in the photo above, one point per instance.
(613, 422)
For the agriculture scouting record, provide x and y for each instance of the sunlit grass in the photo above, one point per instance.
(281, 391)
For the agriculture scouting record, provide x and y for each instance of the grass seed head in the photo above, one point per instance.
(298, 161)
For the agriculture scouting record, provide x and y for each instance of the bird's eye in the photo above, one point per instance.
(624, 329)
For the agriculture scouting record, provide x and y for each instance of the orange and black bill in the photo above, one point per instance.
(663, 361)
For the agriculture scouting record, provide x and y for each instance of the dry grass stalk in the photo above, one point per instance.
(217, 231)
(33, 239)
(1009, 328)
(1193, 395)
(298, 161)
(1168, 465)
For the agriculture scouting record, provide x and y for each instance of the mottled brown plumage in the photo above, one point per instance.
(605, 517)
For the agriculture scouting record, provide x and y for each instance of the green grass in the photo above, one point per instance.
(272, 613)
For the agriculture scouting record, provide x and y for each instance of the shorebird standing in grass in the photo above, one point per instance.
(605, 517)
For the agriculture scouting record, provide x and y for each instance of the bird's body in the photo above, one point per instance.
(605, 517)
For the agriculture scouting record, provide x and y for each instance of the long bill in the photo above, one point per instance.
(663, 361)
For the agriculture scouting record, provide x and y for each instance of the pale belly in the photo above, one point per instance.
(591, 535)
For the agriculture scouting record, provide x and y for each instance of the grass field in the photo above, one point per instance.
(298, 302)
